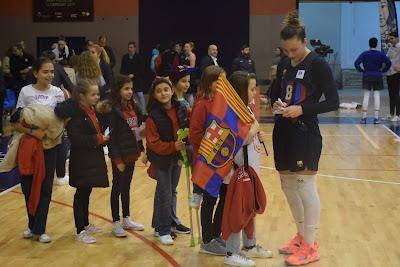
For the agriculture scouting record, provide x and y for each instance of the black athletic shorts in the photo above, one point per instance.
(370, 83)
(297, 144)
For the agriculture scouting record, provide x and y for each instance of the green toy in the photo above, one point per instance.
(182, 134)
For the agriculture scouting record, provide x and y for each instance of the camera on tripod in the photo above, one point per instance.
(320, 48)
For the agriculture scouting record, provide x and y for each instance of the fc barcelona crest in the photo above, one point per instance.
(218, 145)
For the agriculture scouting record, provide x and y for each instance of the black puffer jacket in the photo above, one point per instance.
(87, 166)
(122, 139)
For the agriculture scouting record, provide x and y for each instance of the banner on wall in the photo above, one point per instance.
(388, 22)
(62, 10)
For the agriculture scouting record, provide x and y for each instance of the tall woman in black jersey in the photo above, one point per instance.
(302, 78)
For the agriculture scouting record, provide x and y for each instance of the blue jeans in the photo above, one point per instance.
(37, 223)
(167, 180)
(175, 182)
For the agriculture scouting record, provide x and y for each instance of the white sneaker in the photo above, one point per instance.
(43, 238)
(389, 117)
(91, 229)
(238, 260)
(257, 252)
(195, 200)
(63, 180)
(105, 150)
(395, 118)
(27, 233)
(118, 230)
(166, 240)
(128, 224)
(85, 237)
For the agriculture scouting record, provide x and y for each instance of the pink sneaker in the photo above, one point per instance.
(305, 255)
(293, 246)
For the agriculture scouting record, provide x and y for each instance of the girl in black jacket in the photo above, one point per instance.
(87, 166)
(125, 147)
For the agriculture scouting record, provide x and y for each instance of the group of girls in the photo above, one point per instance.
(117, 123)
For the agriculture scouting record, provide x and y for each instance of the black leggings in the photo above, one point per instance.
(81, 208)
(393, 82)
(121, 187)
(211, 227)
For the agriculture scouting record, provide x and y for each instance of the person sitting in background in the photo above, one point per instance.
(108, 49)
(62, 52)
(20, 64)
(5, 66)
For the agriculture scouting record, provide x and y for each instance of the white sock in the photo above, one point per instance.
(307, 189)
(290, 188)
(365, 103)
(377, 103)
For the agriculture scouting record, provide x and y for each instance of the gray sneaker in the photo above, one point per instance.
(118, 230)
(27, 233)
(213, 247)
(85, 237)
(221, 241)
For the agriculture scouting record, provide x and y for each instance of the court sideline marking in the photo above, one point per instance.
(397, 139)
(366, 136)
(344, 178)
(148, 242)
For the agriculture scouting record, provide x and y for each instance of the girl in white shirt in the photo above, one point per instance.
(41, 92)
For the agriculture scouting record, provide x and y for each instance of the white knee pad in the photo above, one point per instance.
(307, 189)
(289, 186)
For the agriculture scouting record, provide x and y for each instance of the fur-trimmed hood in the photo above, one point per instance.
(104, 106)
(43, 117)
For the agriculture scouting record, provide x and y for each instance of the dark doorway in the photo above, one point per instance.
(223, 22)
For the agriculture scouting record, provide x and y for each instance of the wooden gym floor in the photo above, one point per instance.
(359, 186)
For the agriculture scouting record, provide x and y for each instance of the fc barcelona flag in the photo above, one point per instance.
(388, 22)
(227, 126)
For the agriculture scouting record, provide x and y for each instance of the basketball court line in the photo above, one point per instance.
(148, 242)
(397, 139)
(344, 178)
(366, 136)
(9, 189)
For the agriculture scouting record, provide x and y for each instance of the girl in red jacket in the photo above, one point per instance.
(245, 85)
(210, 225)
(166, 117)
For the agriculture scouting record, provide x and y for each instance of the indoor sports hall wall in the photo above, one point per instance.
(118, 19)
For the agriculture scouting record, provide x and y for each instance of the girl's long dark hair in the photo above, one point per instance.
(118, 82)
(152, 101)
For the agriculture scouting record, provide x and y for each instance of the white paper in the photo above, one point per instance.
(107, 131)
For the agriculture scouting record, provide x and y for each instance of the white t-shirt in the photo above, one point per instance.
(50, 97)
